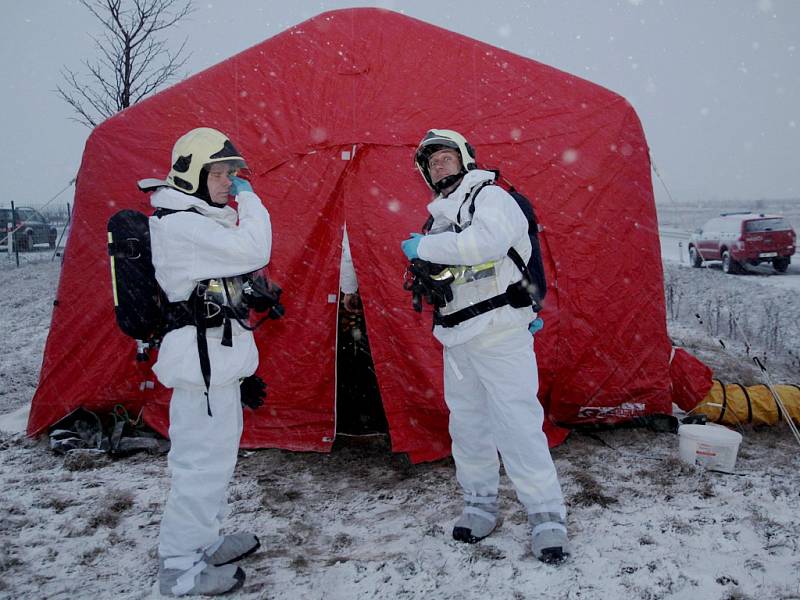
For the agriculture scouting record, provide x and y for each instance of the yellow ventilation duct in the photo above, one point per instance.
(734, 404)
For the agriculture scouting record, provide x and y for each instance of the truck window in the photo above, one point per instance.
(777, 224)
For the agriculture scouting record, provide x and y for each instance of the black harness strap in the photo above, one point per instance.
(512, 253)
(516, 294)
(180, 314)
(473, 195)
(514, 256)
(162, 212)
(205, 362)
(469, 312)
(177, 315)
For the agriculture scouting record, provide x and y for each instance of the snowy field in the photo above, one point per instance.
(361, 523)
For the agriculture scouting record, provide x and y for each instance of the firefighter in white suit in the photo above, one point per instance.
(490, 372)
(196, 237)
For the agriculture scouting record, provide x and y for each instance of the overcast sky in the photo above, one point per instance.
(715, 83)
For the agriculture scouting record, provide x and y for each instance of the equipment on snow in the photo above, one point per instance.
(116, 434)
(735, 404)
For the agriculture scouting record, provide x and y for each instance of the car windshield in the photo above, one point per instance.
(766, 225)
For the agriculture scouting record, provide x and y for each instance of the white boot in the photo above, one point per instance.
(478, 520)
(199, 579)
(549, 537)
(232, 548)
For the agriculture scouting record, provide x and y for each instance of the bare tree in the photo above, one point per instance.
(133, 61)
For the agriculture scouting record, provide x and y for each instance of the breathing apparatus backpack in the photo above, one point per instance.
(139, 302)
(432, 281)
(533, 273)
(142, 309)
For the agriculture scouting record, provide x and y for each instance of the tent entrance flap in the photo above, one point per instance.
(359, 408)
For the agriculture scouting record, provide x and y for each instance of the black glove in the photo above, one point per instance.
(419, 282)
(254, 391)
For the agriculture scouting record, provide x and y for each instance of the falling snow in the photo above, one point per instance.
(361, 522)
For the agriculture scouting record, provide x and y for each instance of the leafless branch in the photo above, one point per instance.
(132, 61)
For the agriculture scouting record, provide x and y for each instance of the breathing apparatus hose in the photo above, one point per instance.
(274, 311)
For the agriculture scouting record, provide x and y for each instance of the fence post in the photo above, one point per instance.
(9, 232)
(14, 240)
(61, 237)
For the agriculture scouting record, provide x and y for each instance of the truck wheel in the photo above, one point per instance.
(694, 257)
(781, 264)
(728, 264)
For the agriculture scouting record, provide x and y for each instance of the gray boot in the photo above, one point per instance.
(233, 547)
(201, 579)
(549, 537)
(478, 519)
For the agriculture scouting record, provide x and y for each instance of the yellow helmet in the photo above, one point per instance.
(196, 149)
(439, 139)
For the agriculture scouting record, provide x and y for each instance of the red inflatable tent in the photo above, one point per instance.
(328, 114)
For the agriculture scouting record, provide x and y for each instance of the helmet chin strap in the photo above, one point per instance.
(446, 182)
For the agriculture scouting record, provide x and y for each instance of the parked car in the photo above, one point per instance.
(744, 238)
(31, 228)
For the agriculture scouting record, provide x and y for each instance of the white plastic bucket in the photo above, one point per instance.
(710, 446)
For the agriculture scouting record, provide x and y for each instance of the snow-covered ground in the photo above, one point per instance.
(674, 249)
(361, 523)
(26, 301)
(756, 313)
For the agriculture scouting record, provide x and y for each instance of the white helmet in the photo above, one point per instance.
(196, 149)
(439, 139)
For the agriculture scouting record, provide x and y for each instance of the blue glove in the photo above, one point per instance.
(410, 246)
(536, 325)
(239, 185)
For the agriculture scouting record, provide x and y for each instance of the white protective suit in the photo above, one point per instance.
(188, 248)
(490, 373)
(348, 282)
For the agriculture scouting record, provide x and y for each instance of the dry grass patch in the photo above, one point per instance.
(114, 505)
